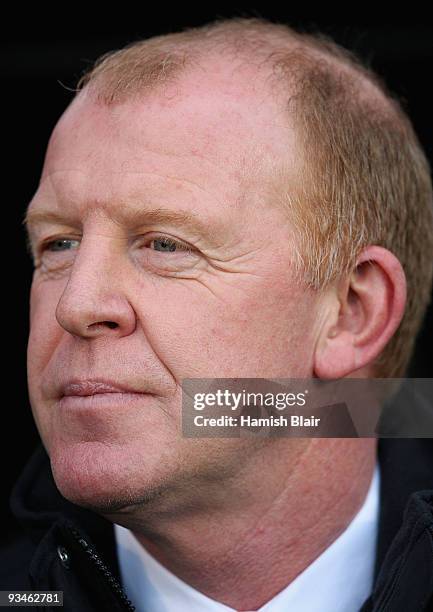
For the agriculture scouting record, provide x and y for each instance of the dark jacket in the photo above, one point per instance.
(66, 548)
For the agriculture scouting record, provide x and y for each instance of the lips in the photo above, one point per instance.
(95, 387)
(91, 396)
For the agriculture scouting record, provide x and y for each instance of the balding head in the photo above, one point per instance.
(362, 176)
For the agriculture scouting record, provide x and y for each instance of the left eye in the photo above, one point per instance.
(167, 245)
(61, 244)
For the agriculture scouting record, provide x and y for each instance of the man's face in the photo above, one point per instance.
(159, 258)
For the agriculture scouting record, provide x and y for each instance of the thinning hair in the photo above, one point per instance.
(365, 179)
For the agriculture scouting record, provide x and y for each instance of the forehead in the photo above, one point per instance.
(225, 132)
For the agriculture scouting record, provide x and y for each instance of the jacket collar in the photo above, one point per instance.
(406, 467)
(37, 504)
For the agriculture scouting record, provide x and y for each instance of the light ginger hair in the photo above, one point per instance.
(365, 179)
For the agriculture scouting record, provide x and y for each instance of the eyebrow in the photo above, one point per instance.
(131, 218)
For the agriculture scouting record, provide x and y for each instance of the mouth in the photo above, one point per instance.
(92, 387)
(100, 400)
(93, 394)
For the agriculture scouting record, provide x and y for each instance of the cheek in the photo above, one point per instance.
(45, 332)
(45, 335)
(267, 335)
(257, 330)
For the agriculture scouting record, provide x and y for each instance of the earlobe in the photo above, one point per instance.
(370, 306)
(336, 357)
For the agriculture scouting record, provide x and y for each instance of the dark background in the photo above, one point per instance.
(40, 60)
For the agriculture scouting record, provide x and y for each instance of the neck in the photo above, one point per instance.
(269, 525)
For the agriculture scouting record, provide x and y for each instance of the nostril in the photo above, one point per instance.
(110, 324)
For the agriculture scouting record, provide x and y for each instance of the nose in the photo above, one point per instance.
(94, 302)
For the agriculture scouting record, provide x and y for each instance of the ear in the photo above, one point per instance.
(362, 313)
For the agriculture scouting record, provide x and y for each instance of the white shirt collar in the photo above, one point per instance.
(339, 580)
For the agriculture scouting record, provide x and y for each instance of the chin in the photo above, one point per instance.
(104, 478)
